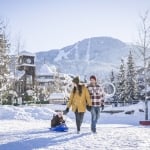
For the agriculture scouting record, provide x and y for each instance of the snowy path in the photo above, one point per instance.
(26, 128)
(36, 135)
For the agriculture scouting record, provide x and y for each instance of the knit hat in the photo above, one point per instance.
(60, 114)
(93, 77)
(76, 80)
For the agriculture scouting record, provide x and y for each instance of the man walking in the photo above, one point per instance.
(97, 97)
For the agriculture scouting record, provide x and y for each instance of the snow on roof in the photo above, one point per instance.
(24, 64)
(45, 80)
(57, 96)
(25, 53)
(30, 92)
(45, 70)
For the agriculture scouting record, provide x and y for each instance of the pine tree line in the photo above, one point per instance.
(126, 82)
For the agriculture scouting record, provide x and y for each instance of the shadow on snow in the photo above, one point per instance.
(28, 143)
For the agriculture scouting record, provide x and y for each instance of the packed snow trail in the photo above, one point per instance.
(28, 136)
(27, 128)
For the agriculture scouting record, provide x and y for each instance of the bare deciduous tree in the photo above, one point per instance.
(143, 46)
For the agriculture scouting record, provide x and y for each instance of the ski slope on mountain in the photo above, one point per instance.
(27, 128)
(97, 55)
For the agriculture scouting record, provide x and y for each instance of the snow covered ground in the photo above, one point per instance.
(27, 128)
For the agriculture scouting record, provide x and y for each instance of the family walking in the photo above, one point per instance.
(83, 97)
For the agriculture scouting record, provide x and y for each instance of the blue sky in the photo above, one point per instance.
(52, 24)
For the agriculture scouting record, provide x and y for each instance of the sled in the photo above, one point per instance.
(60, 128)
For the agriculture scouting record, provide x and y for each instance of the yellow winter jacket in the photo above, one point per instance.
(79, 102)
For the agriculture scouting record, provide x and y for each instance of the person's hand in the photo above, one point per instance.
(66, 111)
(102, 106)
(88, 107)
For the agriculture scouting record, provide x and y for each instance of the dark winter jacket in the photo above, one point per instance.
(56, 120)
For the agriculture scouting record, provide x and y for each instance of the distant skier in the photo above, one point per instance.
(79, 98)
(97, 96)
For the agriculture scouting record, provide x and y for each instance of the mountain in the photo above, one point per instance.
(98, 55)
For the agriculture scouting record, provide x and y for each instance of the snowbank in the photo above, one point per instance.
(45, 113)
(25, 113)
(122, 118)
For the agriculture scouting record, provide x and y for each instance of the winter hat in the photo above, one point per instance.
(93, 77)
(60, 114)
(76, 80)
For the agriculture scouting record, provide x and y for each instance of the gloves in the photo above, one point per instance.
(102, 106)
(88, 107)
(66, 111)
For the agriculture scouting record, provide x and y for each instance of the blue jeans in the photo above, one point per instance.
(95, 113)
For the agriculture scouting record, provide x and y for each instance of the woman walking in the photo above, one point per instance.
(79, 99)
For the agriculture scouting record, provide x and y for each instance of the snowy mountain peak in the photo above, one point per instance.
(87, 56)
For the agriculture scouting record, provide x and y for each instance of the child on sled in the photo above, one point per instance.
(57, 119)
(58, 123)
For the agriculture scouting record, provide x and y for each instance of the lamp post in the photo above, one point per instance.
(145, 84)
(1, 97)
(20, 91)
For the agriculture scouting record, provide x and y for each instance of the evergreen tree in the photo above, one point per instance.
(4, 57)
(131, 81)
(121, 84)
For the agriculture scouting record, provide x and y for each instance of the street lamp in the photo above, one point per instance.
(1, 97)
(145, 84)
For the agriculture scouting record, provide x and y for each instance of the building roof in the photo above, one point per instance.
(25, 53)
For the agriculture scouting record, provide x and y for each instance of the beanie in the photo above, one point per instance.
(76, 80)
(93, 77)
